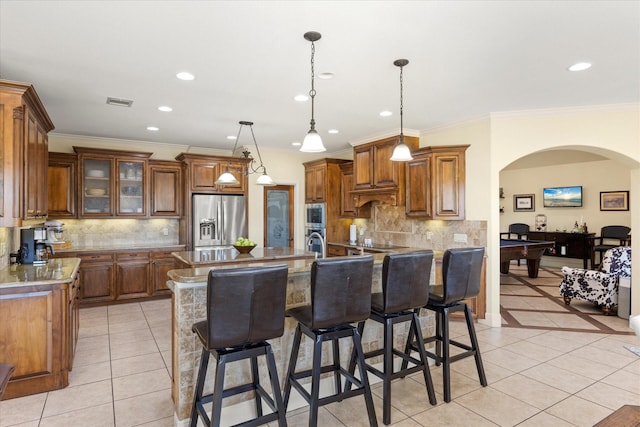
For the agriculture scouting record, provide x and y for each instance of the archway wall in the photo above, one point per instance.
(501, 138)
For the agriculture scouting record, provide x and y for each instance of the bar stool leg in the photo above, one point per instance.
(388, 370)
(295, 348)
(446, 362)
(197, 393)
(275, 387)
(255, 381)
(439, 321)
(315, 381)
(353, 360)
(474, 346)
(336, 366)
(218, 390)
(368, 399)
(415, 324)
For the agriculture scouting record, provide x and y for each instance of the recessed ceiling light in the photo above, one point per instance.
(301, 98)
(183, 75)
(385, 113)
(153, 128)
(580, 66)
(165, 108)
(333, 131)
(326, 76)
(296, 144)
(232, 137)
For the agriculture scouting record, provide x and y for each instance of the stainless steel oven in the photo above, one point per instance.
(316, 215)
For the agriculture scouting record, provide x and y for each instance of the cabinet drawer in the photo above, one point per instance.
(132, 256)
(96, 257)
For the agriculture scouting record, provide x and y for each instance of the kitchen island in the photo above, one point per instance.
(189, 288)
(39, 326)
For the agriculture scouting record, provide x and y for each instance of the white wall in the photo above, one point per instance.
(612, 131)
(594, 177)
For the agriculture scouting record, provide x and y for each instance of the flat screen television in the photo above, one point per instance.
(562, 197)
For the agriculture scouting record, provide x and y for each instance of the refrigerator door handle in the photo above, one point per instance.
(224, 223)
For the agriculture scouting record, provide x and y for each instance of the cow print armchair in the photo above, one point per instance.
(598, 286)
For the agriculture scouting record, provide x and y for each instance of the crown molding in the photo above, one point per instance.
(383, 135)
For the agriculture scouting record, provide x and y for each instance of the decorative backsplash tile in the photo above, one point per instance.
(388, 224)
(117, 232)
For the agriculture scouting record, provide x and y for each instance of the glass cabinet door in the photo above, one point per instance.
(97, 187)
(131, 188)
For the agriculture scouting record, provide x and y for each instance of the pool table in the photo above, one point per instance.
(531, 250)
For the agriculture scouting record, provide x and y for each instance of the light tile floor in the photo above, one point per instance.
(536, 377)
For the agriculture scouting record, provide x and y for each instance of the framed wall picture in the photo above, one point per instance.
(614, 200)
(524, 203)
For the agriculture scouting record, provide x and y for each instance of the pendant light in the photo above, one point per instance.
(227, 177)
(312, 143)
(401, 153)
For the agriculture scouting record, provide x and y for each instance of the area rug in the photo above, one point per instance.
(537, 304)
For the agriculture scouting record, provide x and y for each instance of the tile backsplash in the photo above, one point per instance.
(388, 224)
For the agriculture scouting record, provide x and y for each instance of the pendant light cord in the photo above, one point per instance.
(312, 92)
(401, 108)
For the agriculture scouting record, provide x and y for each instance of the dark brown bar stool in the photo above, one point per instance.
(245, 307)
(6, 370)
(340, 295)
(461, 270)
(405, 288)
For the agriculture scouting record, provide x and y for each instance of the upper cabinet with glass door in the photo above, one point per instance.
(112, 183)
(131, 188)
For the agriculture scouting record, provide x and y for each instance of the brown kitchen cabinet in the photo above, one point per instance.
(132, 275)
(73, 316)
(161, 263)
(112, 183)
(202, 171)
(435, 183)
(336, 250)
(96, 277)
(165, 188)
(348, 207)
(61, 185)
(24, 126)
(315, 182)
(376, 176)
(325, 181)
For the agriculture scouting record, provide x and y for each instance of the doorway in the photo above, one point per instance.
(278, 216)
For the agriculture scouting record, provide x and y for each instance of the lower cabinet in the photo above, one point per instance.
(132, 275)
(161, 263)
(109, 276)
(336, 250)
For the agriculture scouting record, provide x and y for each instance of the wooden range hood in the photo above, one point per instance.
(376, 176)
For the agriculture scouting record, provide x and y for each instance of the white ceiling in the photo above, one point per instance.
(467, 59)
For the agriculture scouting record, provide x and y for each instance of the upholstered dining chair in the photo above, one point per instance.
(610, 237)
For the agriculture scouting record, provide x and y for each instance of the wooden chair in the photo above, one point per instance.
(610, 237)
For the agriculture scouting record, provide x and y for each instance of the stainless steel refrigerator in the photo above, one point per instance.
(218, 220)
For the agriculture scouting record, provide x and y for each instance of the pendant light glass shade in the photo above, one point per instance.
(265, 179)
(227, 177)
(401, 152)
(312, 143)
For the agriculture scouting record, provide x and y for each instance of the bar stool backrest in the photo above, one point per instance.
(340, 290)
(405, 280)
(245, 305)
(461, 269)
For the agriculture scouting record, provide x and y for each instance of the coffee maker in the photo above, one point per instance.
(33, 248)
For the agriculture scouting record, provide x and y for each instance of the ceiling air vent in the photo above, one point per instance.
(119, 102)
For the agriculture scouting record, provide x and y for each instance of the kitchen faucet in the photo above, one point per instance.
(319, 236)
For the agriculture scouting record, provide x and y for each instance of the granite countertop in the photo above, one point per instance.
(218, 256)
(376, 247)
(58, 270)
(199, 274)
(118, 247)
